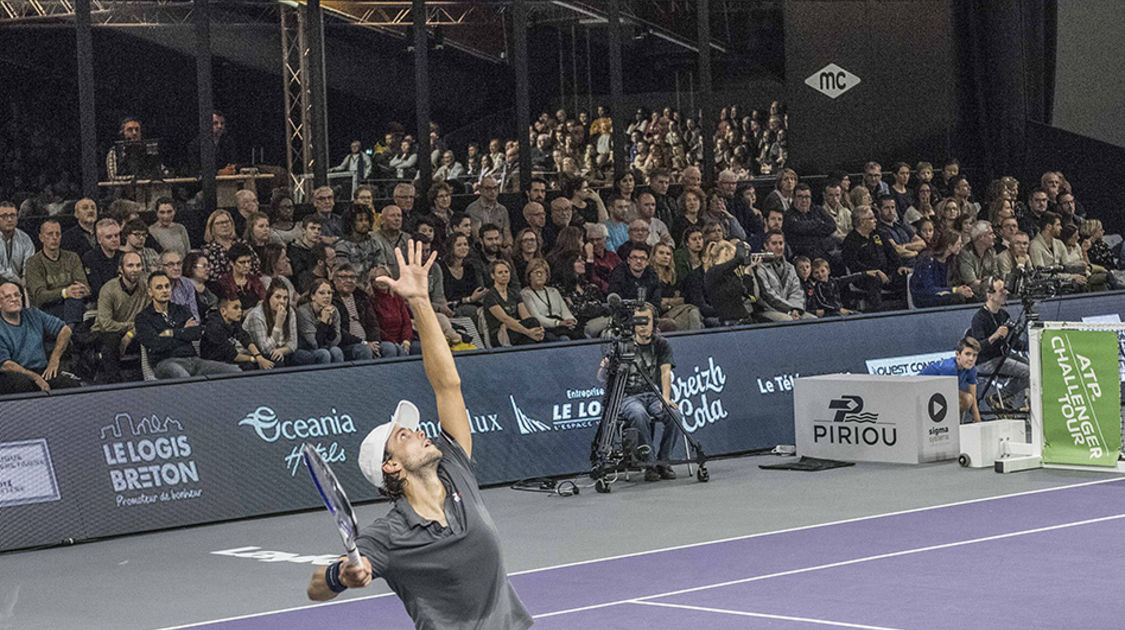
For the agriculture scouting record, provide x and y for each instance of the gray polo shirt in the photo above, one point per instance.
(447, 577)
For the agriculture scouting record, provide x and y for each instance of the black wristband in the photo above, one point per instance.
(332, 578)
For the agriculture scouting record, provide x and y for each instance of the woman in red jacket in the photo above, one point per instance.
(392, 313)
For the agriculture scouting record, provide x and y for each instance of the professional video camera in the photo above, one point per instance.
(623, 317)
(1039, 283)
(744, 256)
(1029, 286)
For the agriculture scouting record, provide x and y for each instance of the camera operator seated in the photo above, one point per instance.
(963, 366)
(992, 325)
(642, 406)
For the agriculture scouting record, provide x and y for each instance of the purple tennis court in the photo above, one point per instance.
(1042, 559)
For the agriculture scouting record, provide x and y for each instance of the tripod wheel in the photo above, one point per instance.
(963, 459)
(702, 475)
(601, 486)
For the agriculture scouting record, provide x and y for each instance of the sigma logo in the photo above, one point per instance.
(844, 427)
(909, 365)
(832, 81)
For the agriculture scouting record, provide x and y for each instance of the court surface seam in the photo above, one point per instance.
(842, 563)
(857, 519)
(743, 613)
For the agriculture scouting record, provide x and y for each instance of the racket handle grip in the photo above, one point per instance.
(353, 557)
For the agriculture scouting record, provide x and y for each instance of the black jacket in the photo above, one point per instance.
(367, 319)
(219, 337)
(810, 233)
(695, 293)
(869, 253)
(625, 284)
(826, 295)
(149, 324)
(726, 290)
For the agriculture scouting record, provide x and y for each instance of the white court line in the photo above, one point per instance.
(857, 519)
(742, 613)
(832, 565)
(674, 548)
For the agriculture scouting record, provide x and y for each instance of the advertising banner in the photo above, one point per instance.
(81, 464)
(1081, 397)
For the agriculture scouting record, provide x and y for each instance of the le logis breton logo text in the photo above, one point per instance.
(271, 429)
(149, 459)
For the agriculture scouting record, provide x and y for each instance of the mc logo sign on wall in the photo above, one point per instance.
(832, 80)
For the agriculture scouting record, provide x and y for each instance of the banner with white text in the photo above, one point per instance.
(1081, 397)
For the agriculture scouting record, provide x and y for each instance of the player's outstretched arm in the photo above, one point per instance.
(437, 359)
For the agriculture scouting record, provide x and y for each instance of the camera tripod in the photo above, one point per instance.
(1028, 314)
(608, 454)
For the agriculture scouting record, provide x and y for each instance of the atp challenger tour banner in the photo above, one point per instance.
(1081, 397)
(101, 462)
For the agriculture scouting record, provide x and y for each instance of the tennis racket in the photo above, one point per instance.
(334, 499)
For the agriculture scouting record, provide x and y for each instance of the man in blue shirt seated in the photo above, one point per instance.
(964, 367)
(24, 364)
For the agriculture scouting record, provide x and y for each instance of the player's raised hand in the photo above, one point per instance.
(413, 273)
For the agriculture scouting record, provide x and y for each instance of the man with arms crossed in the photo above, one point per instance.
(437, 548)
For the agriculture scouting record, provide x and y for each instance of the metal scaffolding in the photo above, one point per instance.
(401, 13)
(102, 12)
(479, 23)
(294, 55)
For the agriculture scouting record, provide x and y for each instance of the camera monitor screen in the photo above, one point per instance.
(138, 159)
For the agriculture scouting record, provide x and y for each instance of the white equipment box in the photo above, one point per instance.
(982, 442)
(870, 418)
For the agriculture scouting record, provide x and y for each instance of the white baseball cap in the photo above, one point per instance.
(374, 446)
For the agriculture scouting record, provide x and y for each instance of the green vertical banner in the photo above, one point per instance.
(1081, 397)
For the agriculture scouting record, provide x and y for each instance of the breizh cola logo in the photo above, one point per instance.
(697, 395)
(266, 424)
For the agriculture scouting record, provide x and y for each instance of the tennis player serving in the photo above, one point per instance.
(437, 548)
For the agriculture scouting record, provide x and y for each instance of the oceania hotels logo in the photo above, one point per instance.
(270, 428)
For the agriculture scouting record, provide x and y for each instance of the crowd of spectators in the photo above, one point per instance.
(270, 286)
(566, 146)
